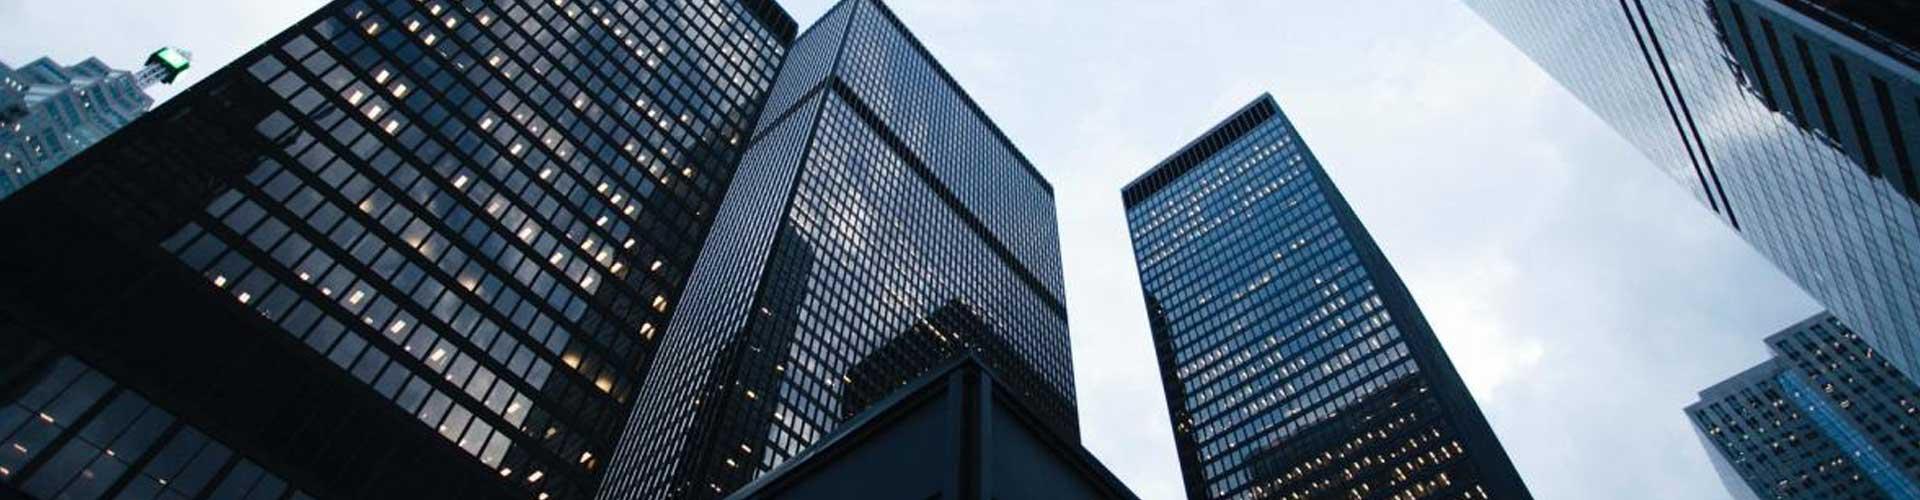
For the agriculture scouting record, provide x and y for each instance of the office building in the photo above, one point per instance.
(403, 249)
(876, 201)
(1825, 417)
(1796, 121)
(1294, 360)
(49, 112)
(953, 433)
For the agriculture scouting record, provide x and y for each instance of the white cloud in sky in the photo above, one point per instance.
(1584, 297)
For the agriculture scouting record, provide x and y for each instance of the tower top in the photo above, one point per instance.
(169, 62)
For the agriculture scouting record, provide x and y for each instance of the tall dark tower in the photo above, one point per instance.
(876, 202)
(404, 249)
(1295, 362)
(1796, 121)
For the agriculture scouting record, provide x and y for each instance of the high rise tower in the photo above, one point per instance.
(404, 249)
(1824, 418)
(1796, 121)
(48, 112)
(1295, 362)
(880, 224)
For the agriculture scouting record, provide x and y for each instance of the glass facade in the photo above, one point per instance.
(474, 218)
(1797, 121)
(49, 112)
(69, 431)
(879, 224)
(1824, 418)
(1295, 363)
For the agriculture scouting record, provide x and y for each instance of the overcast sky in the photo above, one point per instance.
(1583, 295)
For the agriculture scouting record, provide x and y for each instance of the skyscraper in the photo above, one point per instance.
(1826, 417)
(955, 432)
(1796, 121)
(49, 112)
(402, 249)
(877, 201)
(1295, 362)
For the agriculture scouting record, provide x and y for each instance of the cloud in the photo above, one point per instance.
(1583, 295)
(1487, 350)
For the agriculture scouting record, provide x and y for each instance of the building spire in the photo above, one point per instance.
(164, 66)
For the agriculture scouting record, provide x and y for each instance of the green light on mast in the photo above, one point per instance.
(173, 60)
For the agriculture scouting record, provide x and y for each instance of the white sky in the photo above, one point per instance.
(1584, 296)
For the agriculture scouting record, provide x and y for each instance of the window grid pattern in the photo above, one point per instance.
(934, 117)
(1804, 138)
(721, 289)
(860, 283)
(871, 242)
(1763, 433)
(485, 211)
(1827, 417)
(1288, 376)
(68, 431)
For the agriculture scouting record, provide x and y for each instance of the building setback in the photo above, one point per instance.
(955, 432)
(49, 112)
(1295, 362)
(880, 224)
(1796, 121)
(404, 249)
(1826, 417)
